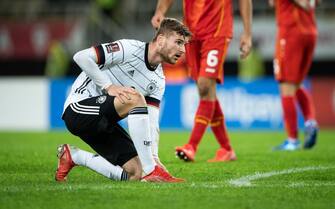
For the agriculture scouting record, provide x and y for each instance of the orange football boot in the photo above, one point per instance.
(223, 155)
(160, 175)
(186, 152)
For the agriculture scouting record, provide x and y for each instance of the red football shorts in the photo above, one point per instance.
(205, 58)
(294, 55)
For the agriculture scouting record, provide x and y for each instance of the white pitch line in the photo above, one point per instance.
(246, 180)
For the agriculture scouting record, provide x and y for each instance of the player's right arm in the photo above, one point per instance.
(245, 7)
(161, 9)
(88, 61)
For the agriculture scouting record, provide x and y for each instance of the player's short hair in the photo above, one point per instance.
(169, 25)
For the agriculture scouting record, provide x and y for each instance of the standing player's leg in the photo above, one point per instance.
(304, 98)
(208, 73)
(287, 61)
(205, 110)
(218, 126)
(287, 91)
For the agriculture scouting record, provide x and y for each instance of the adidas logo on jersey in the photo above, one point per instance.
(131, 72)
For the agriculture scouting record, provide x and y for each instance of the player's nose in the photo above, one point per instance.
(182, 49)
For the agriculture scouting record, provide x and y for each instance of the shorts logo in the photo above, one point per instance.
(101, 99)
(113, 47)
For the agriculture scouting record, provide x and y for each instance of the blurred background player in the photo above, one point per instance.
(121, 79)
(296, 41)
(211, 23)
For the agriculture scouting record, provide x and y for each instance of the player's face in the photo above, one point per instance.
(173, 48)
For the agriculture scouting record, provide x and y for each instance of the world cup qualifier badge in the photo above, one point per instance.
(101, 99)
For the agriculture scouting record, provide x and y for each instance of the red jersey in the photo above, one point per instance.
(289, 14)
(209, 18)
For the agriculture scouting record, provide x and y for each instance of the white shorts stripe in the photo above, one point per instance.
(85, 106)
(75, 105)
(83, 111)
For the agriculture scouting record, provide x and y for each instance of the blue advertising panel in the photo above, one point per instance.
(252, 105)
(59, 89)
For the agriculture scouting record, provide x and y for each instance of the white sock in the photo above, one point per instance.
(139, 130)
(98, 164)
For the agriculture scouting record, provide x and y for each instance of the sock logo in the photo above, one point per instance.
(147, 143)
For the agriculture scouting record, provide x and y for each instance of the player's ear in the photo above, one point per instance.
(161, 40)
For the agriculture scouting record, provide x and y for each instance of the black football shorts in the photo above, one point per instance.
(95, 121)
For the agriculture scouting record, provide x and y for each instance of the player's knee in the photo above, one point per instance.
(137, 100)
(206, 88)
(203, 91)
(288, 89)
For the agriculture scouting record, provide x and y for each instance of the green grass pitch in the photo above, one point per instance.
(263, 179)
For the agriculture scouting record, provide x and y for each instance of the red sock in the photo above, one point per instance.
(202, 119)
(290, 116)
(219, 127)
(306, 104)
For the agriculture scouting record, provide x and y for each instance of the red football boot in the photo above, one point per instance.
(65, 163)
(223, 155)
(160, 175)
(186, 152)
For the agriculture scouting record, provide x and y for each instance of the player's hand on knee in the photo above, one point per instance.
(120, 92)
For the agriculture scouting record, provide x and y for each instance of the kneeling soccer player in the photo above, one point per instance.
(121, 79)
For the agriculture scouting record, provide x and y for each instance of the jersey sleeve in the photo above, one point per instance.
(110, 53)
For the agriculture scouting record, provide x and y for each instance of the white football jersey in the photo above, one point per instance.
(123, 62)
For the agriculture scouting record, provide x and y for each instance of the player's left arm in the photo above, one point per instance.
(245, 7)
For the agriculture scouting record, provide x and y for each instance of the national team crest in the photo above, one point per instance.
(151, 87)
(101, 99)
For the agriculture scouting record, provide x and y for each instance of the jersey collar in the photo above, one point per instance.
(146, 58)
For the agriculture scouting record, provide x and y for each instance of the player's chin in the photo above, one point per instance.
(172, 61)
